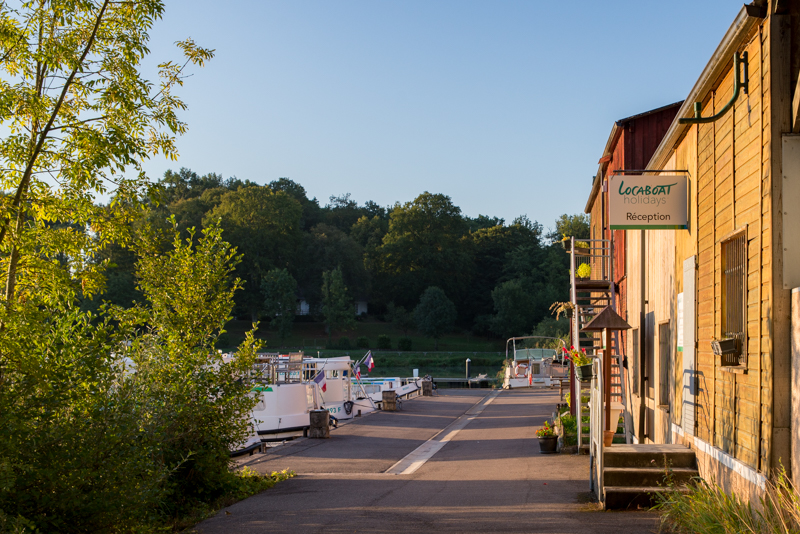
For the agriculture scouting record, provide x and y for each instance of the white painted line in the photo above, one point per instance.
(417, 458)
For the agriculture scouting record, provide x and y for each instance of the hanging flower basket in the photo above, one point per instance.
(585, 372)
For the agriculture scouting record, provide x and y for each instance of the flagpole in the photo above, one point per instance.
(361, 385)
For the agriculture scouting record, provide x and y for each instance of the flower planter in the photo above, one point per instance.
(548, 444)
(585, 372)
(608, 438)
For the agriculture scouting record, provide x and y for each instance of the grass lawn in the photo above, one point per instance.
(312, 337)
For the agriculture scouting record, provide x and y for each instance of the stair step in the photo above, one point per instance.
(656, 455)
(646, 476)
(622, 497)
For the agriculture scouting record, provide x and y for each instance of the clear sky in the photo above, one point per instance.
(505, 106)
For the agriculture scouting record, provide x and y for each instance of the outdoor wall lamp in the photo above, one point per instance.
(740, 82)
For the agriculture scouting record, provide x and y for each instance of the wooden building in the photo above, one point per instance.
(730, 274)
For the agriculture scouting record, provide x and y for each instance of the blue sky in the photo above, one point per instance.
(504, 106)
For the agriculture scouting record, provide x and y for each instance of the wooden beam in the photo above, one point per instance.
(796, 107)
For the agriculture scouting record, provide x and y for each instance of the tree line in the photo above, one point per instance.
(501, 278)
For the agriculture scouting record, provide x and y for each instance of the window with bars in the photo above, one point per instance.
(665, 363)
(734, 287)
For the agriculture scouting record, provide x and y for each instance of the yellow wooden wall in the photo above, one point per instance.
(732, 194)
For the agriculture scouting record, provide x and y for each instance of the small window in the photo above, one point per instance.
(635, 353)
(734, 284)
(664, 362)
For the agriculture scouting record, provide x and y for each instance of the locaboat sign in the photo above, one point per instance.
(647, 202)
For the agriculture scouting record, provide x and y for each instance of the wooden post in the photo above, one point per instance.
(427, 388)
(320, 424)
(389, 401)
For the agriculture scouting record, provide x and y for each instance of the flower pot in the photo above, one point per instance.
(585, 372)
(548, 444)
(608, 438)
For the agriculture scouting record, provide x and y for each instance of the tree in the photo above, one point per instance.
(312, 213)
(435, 314)
(81, 120)
(264, 225)
(337, 308)
(280, 299)
(401, 318)
(491, 248)
(424, 248)
(112, 419)
(572, 226)
(342, 212)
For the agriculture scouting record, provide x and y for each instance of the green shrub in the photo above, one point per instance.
(404, 343)
(384, 343)
(114, 421)
(362, 342)
(343, 343)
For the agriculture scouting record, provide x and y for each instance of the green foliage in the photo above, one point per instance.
(537, 276)
(362, 342)
(123, 419)
(546, 431)
(400, 317)
(336, 305)
(80, 121)
(328, 248)
(343, 343)
(550, 327)
(404, 343)
(423, 248)
(280, 299)
(570, 425)
(704, 507)
(264, 226)
(584, 270)
(576, 226)
(384, 343)
(435, 314)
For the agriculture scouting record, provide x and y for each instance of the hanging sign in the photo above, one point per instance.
(647, 202)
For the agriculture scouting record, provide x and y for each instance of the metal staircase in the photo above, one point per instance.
(589, 297)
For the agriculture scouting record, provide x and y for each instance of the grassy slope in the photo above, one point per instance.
(312, 336)
(486, 354)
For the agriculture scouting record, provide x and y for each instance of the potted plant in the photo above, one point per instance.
(583, 271)
(582, 247)
(581, 361)
(565, 243)
(548, 441)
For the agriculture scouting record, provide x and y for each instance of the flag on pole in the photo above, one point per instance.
(320, 381)
(358, 371)
(368, 362)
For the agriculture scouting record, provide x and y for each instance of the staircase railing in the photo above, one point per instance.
(597, 425)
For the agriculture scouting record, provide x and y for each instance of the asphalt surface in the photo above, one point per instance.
(476, 468)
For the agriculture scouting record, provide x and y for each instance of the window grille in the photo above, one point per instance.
(665, 363)
(734, 284)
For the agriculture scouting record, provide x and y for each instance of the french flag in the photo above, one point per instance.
(320, 381)
(358, 372)
(369, 362)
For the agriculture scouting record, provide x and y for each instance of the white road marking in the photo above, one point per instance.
(417, 458)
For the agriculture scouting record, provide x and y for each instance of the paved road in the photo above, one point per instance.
(483, 473)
